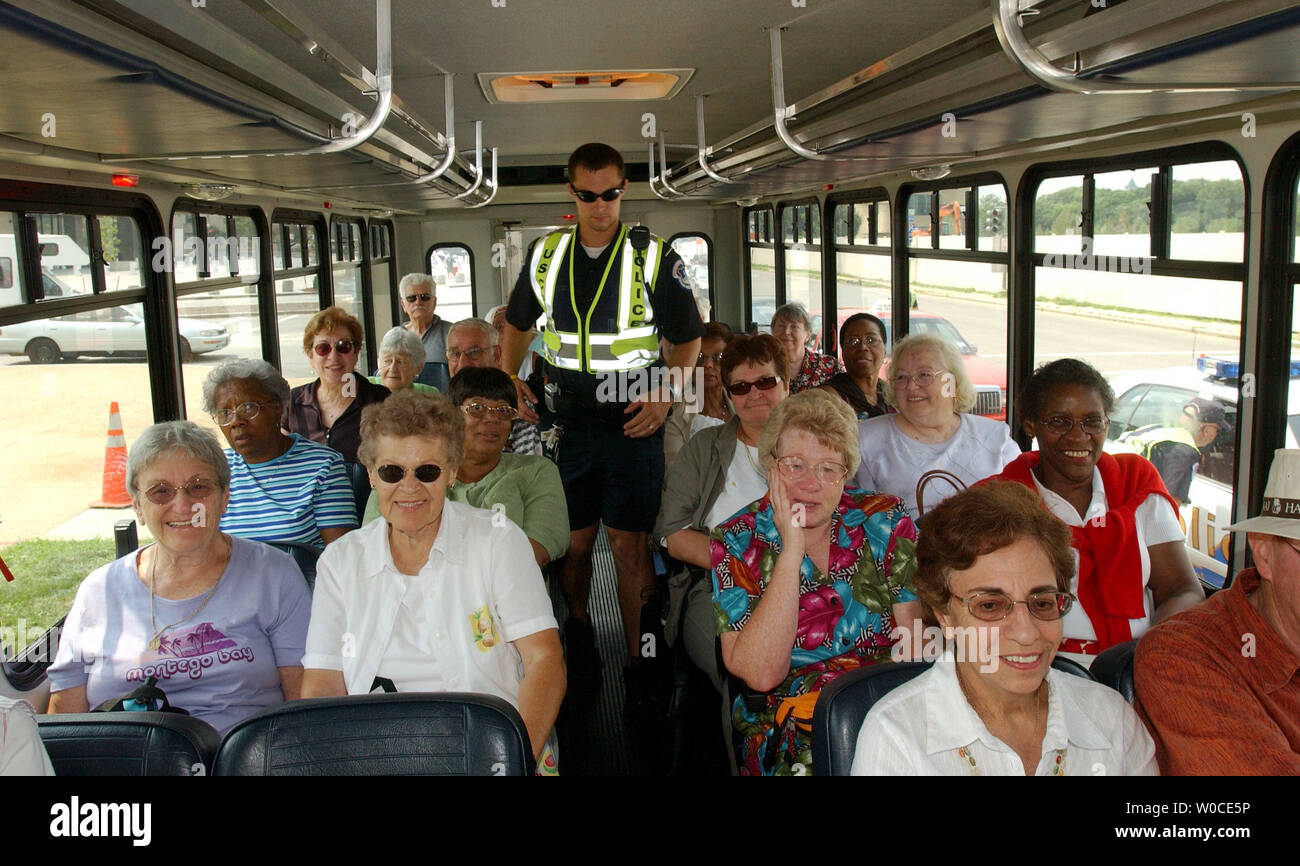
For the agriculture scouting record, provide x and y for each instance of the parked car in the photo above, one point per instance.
(106, 331)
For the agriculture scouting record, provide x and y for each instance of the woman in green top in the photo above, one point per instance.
(523, 488)
(401, 358)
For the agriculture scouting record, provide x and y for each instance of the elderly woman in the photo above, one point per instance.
(808, 582)
(932, 430)
(525, 488)
(329, 410)
(437, 596)
(712, 408)
(219, 620)
(401, 357)
(992, 705)
(1132, 569)
(862, 342)
(282, 487)
(808, 369)
(418, 295)
(716, 475)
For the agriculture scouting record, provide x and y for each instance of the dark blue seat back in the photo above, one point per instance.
(304, 556)
(444, 734)
(128, 744)
(360, 481)
(1114, 667)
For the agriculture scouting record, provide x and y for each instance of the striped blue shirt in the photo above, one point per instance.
(290, 498)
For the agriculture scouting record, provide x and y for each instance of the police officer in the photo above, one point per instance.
(608, 293)
(1176, 451)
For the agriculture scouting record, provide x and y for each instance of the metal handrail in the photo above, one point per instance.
(493, 184)
(703, 147)
(1011, 34)
(652, 179)
(478, 160)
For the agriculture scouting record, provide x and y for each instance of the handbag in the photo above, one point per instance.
(924, 481)
(146, 698)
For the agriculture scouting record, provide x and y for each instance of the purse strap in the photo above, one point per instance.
(145, 697)
(926, 478)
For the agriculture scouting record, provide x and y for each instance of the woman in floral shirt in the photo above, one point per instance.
(808, 582)
(808, 369)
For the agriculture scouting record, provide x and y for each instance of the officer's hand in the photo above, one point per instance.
(649, 417)
(526, 400)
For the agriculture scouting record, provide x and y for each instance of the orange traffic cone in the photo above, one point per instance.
(114, 492)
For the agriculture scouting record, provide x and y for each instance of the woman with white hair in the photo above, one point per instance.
(283, 486)
(219, 621)
(932, 430)
(401, 359)
(418, 294)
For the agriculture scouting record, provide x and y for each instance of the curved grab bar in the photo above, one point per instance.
(657, 193)
(441, 168)
(663, 171)
(703, 148)
(493, 183)
(478, 157)
(1006, 23)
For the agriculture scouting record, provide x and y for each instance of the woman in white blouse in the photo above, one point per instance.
(928, 385)
(438, 596)
(994, 566)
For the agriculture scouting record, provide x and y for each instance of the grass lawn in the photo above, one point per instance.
(46, 577)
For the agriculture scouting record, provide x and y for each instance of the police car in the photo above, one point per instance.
(1157, 398)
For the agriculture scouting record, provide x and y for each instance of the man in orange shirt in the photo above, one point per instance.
(1217, 684)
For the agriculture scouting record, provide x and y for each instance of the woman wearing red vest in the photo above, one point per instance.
(1132, 569)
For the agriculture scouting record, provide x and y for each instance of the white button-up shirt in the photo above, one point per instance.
(916, 730)
(479, 591)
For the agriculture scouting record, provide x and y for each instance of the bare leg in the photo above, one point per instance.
(575, 574)
(635, 582)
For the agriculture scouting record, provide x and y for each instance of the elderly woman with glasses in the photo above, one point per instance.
(808, 582)
(401, 358)
(808, 369)
(710, 407)
(282, 487)
(932, 430)
(862, 343)
(1131, 567)
(218, 620)
(523, 487)
(328, 410)
(994, 567)
(437, 596)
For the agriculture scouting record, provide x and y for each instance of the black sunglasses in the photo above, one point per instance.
(425, 473)
(740, 389)
(423, 296)
(588, 196)
(344, 347)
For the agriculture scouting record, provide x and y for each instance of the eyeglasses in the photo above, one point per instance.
(196, 488)
(1060, 425)
(482, 410)
(425, 473)
(795, 469)
(994, 606)
(472, 353)
(248, 411)
(587, 196)
(740, 389)
(343, 347)
(715, 357)
(869, 342)
(423, 296)
(922, 380)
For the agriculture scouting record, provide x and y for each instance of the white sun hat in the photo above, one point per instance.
(1280, 514)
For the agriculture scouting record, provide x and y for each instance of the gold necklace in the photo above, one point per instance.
(1058, 767)
(154, 642)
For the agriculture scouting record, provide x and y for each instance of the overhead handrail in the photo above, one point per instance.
(663, 171)
(493, 184)
(441, 168)
(703, 147)
(383, 107)
(1011, 34)
(478, 160)
(651, 165)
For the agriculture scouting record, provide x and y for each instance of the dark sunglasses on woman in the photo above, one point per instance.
(343, 347)
(740, 389)
(425, 473)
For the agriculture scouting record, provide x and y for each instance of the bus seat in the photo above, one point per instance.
(360, 481)
(304, 555)
(412, 734)
(844, 704)
(128, 744)
(1114, 667)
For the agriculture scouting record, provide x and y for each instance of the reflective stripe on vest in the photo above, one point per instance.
(1143, 439)
(636, 342)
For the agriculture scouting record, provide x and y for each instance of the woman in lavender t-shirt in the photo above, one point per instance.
(220, 621)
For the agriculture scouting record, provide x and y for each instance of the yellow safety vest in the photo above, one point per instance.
(568, 339)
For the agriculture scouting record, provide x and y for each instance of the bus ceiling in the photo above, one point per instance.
(283, 88)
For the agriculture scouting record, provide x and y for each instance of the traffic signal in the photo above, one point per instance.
(993, 222)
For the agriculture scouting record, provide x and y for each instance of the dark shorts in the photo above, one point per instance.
(610, 477)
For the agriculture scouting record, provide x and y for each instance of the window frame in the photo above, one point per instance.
(708, 244)
(831, 249)
(473, 269)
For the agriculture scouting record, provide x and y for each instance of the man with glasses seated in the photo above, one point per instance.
(418, 294)
(608, 293)
(994, 567)
(473, 343)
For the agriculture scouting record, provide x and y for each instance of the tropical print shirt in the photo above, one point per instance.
(817, 369)
(845, 615)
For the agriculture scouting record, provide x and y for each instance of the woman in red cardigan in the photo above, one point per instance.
(1132, 569)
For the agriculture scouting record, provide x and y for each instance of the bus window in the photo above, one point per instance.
(65, 250)
(761, 257)
(1058, 215)
(918, 220)
(10, 272)
(348, 259)
(992, 218)
(452, 267)
(383, 278)
(297, 293)
(863, 259)
(1209, 212)
(1121, 212)
(801, 233)
(695, 252)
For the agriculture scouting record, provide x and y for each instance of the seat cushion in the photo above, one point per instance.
(128, 744)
